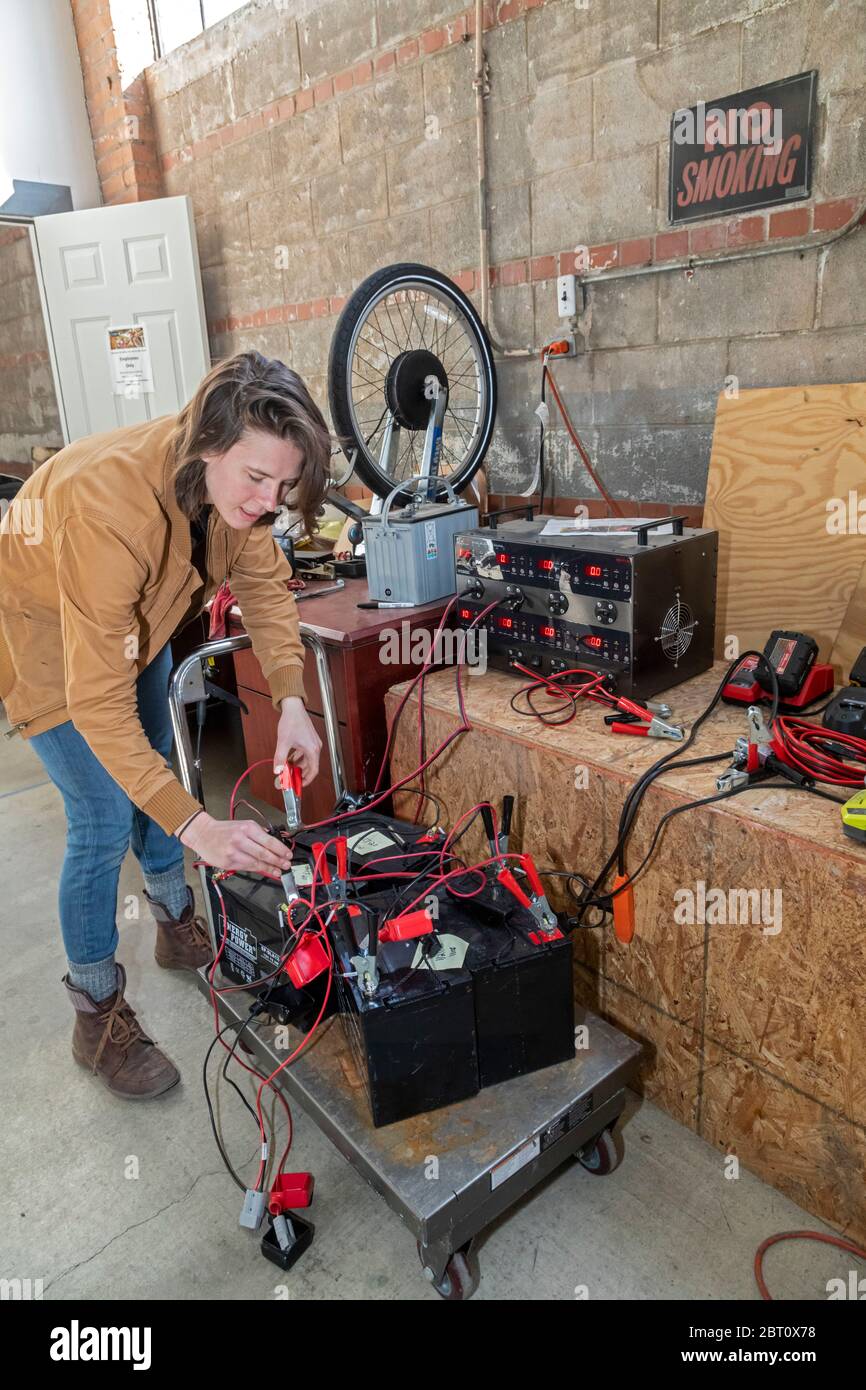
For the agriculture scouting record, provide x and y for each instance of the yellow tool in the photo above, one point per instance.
(854, 816)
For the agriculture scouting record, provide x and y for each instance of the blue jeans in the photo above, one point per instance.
(102, 822)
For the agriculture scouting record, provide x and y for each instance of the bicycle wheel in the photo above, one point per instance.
(404, 324)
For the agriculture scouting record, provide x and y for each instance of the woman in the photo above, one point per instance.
(136, 530)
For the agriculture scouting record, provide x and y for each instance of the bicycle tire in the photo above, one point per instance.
(389, 280)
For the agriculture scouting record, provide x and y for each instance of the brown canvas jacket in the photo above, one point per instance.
(95, 576)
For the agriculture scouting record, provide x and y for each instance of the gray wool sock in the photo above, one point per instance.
(98, 979)
(169, 888)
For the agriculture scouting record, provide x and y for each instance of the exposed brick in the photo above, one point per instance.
(384, 63)
(169, 159)
(513, 273)
(290, 312)
(455, 30)
(271, 113)
(542, 268)
(407, 52)
(636, 252)
(343, 82)
(670, 246)
(323, 91)
(709, 238)
(274, 314)
(336, 303)
(305, 311)
(112, 186)
(829, 217)
(249, 125)
(509, 9)
(320, 308)
(303, 99)
(603, 257)
(432, 40)
(362, 72)
(567, 263)
(465, 281)
(744, 230)
(260, 318)
(286, 107)
(214, 141)
(790, 222)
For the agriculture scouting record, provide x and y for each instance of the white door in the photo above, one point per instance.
(123, 266)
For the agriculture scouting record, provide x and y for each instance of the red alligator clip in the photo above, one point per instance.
(291, 784)
(320, 863)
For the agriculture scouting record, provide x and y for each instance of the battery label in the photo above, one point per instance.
(241, 939)
(369, 840)
(430, 539)
(782, 652)
(514, 1162)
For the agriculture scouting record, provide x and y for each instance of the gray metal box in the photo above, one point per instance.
(410, 554)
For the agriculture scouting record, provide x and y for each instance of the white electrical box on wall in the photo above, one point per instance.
(566, 296)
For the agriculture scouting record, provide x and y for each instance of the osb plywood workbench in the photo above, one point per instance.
(755, 1039)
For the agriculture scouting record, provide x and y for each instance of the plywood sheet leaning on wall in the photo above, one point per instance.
(851, 637)
(783, 466)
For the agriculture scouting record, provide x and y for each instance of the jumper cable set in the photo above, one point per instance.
(352, 922)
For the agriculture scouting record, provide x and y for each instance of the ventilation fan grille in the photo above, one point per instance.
(677, 630)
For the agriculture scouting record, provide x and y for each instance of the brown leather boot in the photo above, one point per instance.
(182, 943)
(109, 1040)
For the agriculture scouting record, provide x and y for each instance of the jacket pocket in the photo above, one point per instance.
(35, 669)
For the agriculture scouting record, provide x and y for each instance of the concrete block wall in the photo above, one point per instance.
(28, 406)
(344, 133)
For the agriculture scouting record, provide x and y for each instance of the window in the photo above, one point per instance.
(175, 22)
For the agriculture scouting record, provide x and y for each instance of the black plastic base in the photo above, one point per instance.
(304, 1232)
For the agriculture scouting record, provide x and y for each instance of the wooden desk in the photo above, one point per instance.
(355, 639)
(755, 1039)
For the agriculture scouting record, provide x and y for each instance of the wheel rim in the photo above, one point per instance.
(415, 315)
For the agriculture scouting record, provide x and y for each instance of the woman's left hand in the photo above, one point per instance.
(297, 740)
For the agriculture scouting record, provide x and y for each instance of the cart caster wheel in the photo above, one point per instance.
(459, 1281)
(602, 1156)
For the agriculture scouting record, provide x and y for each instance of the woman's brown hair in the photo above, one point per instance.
(251, 392)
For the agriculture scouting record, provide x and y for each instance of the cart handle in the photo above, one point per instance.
(188, 767)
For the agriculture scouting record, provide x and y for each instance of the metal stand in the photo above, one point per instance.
(449, 1173)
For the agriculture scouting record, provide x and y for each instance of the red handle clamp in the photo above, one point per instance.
(320, 862)
(507, 879)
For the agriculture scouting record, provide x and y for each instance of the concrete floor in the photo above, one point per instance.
(666, 1224)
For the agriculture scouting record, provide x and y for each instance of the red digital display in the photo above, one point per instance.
(506, 622)
(592, 641)
(548, 632)
(466, 612)
(545, 564)
(502, 559)
(594, 571)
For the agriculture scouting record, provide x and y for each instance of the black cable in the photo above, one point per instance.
(233, 1023)
(631, 804)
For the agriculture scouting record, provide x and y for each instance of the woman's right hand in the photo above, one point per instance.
(236, 844)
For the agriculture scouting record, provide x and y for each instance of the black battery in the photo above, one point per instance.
(414, 1041)
(524, 985)
(255, 942)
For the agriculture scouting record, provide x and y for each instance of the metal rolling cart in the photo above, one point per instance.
(447, 1173)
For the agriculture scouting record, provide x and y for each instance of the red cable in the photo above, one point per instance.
(798, 1235)
(614, 506)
